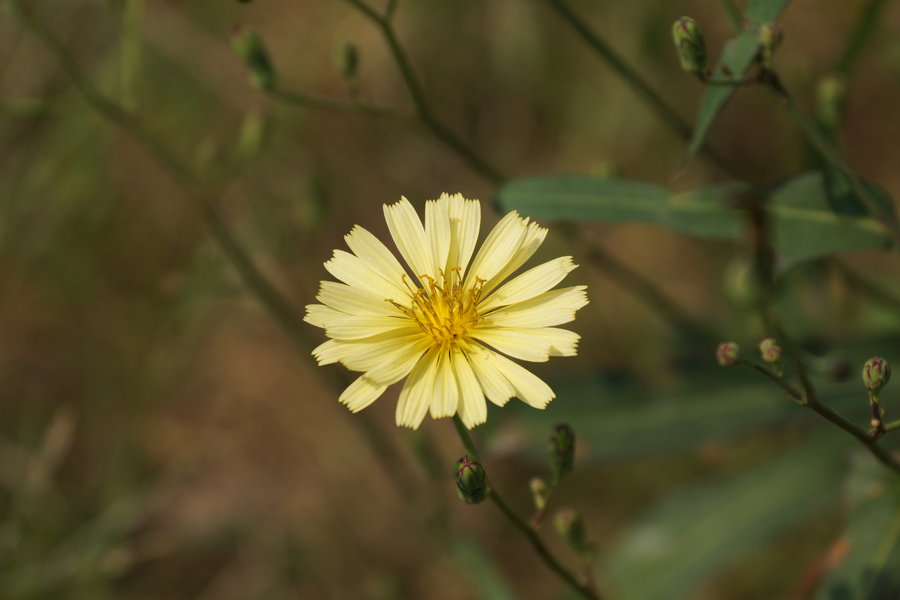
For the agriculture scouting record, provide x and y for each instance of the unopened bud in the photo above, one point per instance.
(538, 492)
(770, 36)
(770, 350)
(562, 450)
(831, 91)
(471, 481)
(690, 45)
(876, 373)
(347, 59)
(251, 50)
(570, 527)
(727, 354)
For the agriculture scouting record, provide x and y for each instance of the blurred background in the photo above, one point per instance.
(163, 436)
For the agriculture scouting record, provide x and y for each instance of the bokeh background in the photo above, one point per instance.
(163, 436)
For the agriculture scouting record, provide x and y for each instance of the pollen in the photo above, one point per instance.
(444, 309)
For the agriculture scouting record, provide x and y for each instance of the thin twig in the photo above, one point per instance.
(637, 83)
(535, 540)
(417, 95)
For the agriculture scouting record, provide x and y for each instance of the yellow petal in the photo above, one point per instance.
(534, 345)
(409, 236)
(465, 223)
(437, 230)
(530, 388)
(415, 395)
(495, 386)
(355, 272)
(353, 301)
(472, 408)
(321, 315)
(358, 327)
(501, 243)
(544, 310)
(534, 237)
(375, 254)
(361, 393)
(529, 284)
(445, 393)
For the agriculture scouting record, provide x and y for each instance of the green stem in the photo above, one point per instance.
(417, 95)
(637, 83)
(862, 33)
(811, 402)
(542, 551)
(892, 426)
(734, 14)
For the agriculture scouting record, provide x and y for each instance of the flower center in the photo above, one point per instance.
(443, 308)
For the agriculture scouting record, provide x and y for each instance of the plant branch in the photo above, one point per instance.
(417, 95)
(637, 83)
(542, 551)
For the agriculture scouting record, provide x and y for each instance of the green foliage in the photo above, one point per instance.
(868, 555)
(677, 545)
(812, 215)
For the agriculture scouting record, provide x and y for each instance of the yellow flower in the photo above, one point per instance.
(444, 329)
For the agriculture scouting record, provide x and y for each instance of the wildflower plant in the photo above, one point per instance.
(448, 323)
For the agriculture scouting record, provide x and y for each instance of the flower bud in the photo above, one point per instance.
(471, 481)
(831, 90)
(770, 36)
(348, 61)
(727, 354)
(250, 48)
(570, 527)
(876, 373)
(538, 492)
(770, 350)
(562, 450)
(690, 45)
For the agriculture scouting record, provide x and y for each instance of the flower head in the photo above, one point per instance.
(443, 324)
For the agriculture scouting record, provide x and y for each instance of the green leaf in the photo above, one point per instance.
(704, 212)
(870, 567)
(617, 421)
(691, 534)
(812, 214)
(818, 215)
(737, 57)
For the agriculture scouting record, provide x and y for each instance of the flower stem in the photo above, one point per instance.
(331, 104)
(543, 552)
